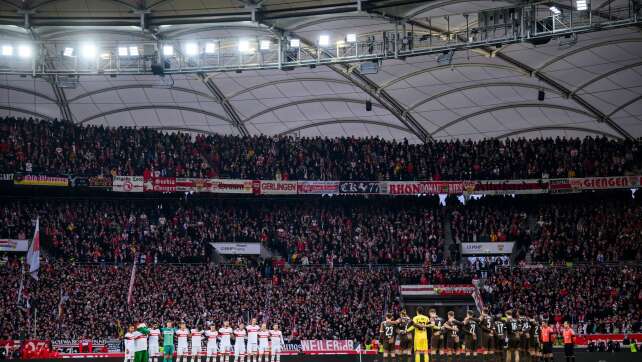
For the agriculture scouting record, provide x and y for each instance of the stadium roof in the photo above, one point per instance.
(592, 87)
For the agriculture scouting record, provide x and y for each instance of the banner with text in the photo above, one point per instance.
(359, 187)
(14, 245)
(277, 187)
(128, 183)
(331, 346)
(423, 187)
(73, 345)
(318, 187)
(506, 187)
(487, 248)
(222, 186)
(160, 184)
(192, 185)
(442, 290)
(237, 248)
(601, 183)
(39, 180)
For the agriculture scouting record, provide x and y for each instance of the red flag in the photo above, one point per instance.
(33, 255)
(131, 283)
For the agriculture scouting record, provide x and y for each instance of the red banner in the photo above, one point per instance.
(192, 185)
(160, 184)
(442, 290)
(586, 338)
(497, 187)
(318, 187)
(222, 186)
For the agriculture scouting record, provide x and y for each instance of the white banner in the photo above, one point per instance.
(13, 245)
(237, 248)
(221, 186)
(443, 290)
(128, 184)
(487, 248)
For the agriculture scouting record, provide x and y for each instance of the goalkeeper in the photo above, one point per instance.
(168, 341)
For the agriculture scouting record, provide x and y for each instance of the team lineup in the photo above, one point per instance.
(143, 343)
(511, 335)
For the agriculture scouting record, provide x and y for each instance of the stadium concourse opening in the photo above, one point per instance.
(335, 180)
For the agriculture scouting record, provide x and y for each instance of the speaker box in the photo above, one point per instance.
(541, 95)
(368, 106)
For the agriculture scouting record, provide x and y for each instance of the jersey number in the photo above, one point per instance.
(389, 331)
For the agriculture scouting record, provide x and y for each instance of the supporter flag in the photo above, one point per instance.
(131, 283)
(33, 255)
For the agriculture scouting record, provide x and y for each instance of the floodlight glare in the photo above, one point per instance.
(210, 48)
(244, 46)
(191, 49)
(581, 5)
(324, 40)
(7, 50)
(24, 51)
(295, 43)
(68, 52)
(88, 51)
(264, 45)
(555, 10)
(168, 50)
(351, 38)
(122, 51)
(133, 51)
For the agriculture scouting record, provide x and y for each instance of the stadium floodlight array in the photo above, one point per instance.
(24, 51)
(555, 10)
(7, 50)
(264, 44)
(210, 48)
(191, 49)
(324, 40)
(88, 50)
(168, 50)
(581, 5)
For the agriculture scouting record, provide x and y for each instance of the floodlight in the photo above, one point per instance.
(24, 51)
(168, 50)
(133, 51)
(264, 45)
(210, 48)
(68, 52)
(555, 10)
(88, 50)
(191, 49)
(244, 46)
(351, 38)
(105, 56)
(324, 40)
(122, 51)
(295, 43)
(581, 5)
(7, 50)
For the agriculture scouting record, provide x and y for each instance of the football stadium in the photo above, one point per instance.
(321, 180)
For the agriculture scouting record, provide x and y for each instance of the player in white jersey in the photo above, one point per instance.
(154, 350)
(264, 344)
(181, 347)
(197, 342)
(212, 350)
(276, 339)
(130, 344)
(239, 343)
(225, 335)
(252, 339)
(140, 336)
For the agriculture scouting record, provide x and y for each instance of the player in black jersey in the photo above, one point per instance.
(436, 333)
(513, 330)
(486, 325)
(534, 345)
(470, 326)
(451, 337)
(525, 336)
(405, 337)
(500, 335)
(387, 337)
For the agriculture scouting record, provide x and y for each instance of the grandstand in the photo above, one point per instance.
(379, 180)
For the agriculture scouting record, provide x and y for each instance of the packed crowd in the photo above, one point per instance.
(309, 303)
(34, 146)
(595, 228)
(599, 298)
(320, 231)
(91, 300)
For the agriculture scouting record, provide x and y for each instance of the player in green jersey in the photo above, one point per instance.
(168, 341)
